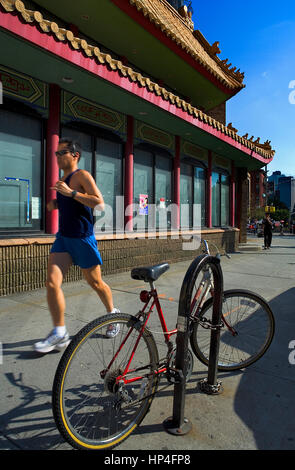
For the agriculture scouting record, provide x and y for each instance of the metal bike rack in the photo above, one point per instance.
(178, 424)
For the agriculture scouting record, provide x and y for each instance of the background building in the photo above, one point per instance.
(145, 94)
(257, 189)
(282, 188)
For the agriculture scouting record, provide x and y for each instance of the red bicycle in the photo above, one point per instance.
(103, 386)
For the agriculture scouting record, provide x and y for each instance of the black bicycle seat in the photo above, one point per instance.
(149, 273)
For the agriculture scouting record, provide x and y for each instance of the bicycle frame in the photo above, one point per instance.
(205, 287)
(153, 298)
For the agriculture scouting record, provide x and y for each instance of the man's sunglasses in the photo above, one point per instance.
(60, 153)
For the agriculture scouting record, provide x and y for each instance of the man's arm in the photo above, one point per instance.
(92, 196)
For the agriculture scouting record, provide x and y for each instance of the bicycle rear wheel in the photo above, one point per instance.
(91, 409)
(246, 335)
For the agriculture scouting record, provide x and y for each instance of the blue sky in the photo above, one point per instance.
(259, 38)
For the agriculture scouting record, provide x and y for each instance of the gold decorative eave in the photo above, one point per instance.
(93, 53)
(171, 23)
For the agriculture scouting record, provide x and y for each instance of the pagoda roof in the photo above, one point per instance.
(179, 27)
(93, 53)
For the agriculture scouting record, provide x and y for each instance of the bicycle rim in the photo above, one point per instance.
(91, 409)
(246, 335)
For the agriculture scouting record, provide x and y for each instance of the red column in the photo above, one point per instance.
(176, 221)
(129, 169)
(52, 175)
(232, 195)
(209, 191)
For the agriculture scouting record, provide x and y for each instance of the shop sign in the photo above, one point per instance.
(23, 87)
(194, 151)
(154, 136)
(270, 209)
(222, 162)
(84, 110)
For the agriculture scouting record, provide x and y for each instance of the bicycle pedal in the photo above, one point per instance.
(176, 377)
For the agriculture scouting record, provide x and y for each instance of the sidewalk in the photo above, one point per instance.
(255, 411)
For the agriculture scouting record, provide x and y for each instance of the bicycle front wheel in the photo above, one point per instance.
(247, 332)
(95, 404)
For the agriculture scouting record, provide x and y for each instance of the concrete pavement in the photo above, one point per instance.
(255, 411)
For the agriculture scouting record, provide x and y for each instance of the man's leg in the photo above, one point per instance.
(94, 279)
(58, 265)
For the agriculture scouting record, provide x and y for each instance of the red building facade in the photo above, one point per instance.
(145, 95)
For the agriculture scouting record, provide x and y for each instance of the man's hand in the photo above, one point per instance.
(52, 205)
(62, 188)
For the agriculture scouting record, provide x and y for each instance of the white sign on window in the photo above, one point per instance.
(36, 208)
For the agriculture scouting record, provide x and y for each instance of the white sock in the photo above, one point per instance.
(115, 310)
(60, 330)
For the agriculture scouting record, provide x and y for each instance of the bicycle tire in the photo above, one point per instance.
(90, 410)
(253, 321)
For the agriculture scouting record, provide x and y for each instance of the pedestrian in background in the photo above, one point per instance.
(267, 231)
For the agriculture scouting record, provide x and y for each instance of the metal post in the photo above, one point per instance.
(178, 424)
(211, 385)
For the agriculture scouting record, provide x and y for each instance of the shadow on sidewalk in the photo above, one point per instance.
(264, 398)
(30, 426)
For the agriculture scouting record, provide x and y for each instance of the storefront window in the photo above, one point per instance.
(220, 199)
(192, 196)
(200, 197)
(108, 177)
(163, 192)
(20, 172)
(186, 196)
(215, 199)
(143, 193)
(224, 196)
(152, 189)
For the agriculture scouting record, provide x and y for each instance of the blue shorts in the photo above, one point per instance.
(84, 251)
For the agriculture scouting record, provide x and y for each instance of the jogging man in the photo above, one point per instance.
(77, 196)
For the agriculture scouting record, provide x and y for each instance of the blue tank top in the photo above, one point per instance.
(75, 219)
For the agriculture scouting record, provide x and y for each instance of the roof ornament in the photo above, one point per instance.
(187, 16)
(214, 49)
(266, 146)
(231, 128)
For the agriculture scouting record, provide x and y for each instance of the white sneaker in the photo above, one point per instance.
(51, 342)
(114, 328)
